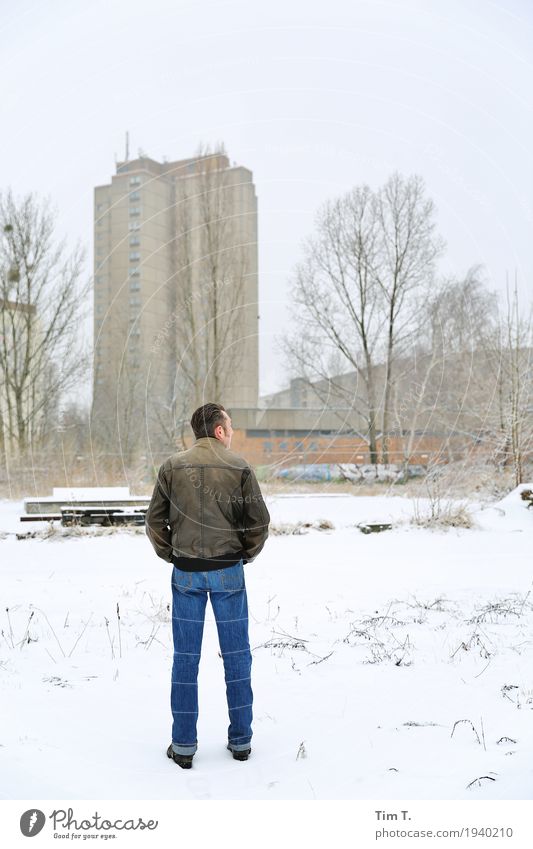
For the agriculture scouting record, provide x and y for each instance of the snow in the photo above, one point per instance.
(367, 649)
(80, 492)
(63, 495)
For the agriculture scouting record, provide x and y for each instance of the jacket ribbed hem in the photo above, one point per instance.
(208, 564)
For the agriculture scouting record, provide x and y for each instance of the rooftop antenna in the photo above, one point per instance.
(127, 147)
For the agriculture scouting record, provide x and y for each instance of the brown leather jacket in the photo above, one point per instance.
(206, 503)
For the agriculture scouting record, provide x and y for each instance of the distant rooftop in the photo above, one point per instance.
(178, 168)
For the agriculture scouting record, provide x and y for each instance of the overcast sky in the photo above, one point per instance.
(313, 97)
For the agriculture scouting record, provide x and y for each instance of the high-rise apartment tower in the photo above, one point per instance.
(175, 295)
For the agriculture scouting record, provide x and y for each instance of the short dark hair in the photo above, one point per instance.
(205, 419)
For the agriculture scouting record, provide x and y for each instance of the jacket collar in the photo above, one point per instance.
(211, 443)
(204, 440)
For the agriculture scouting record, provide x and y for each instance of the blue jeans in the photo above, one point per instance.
(227, 592)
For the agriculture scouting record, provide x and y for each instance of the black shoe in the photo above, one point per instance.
(241, 755)
(184, 761)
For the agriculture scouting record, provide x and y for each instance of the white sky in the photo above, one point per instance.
(314, 97)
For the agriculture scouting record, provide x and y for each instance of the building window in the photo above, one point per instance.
(134, 255)
(135, 181)
(134, 272)
(135, 302)
(134, 225)
(134, 211)
(134, 240)
(134, 196)
(135, 286)
(100, 206)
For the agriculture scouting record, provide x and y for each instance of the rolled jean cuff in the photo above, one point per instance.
(183, 750)
(239, 747)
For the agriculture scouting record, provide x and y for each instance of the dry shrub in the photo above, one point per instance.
(288, 528)
(444, 516)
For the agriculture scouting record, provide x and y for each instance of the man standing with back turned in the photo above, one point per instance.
(207, 517)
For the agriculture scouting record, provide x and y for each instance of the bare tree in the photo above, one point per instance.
(356, 294)
(41, 298)
(485, 388)
(117, 423)
(464, 398)
(404, 270)
(470, 378)
(335, 307)
(516, 386)
(211, 255)
(443, 387)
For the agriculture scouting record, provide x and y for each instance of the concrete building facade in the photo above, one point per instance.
(175, 295)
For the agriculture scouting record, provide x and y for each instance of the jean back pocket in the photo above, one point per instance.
(181, 580)
(232, 578)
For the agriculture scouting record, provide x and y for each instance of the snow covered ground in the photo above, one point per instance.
(368, 649)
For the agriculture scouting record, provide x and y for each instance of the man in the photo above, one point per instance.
(207, 517)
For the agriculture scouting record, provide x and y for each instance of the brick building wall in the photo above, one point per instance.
(290, 449)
